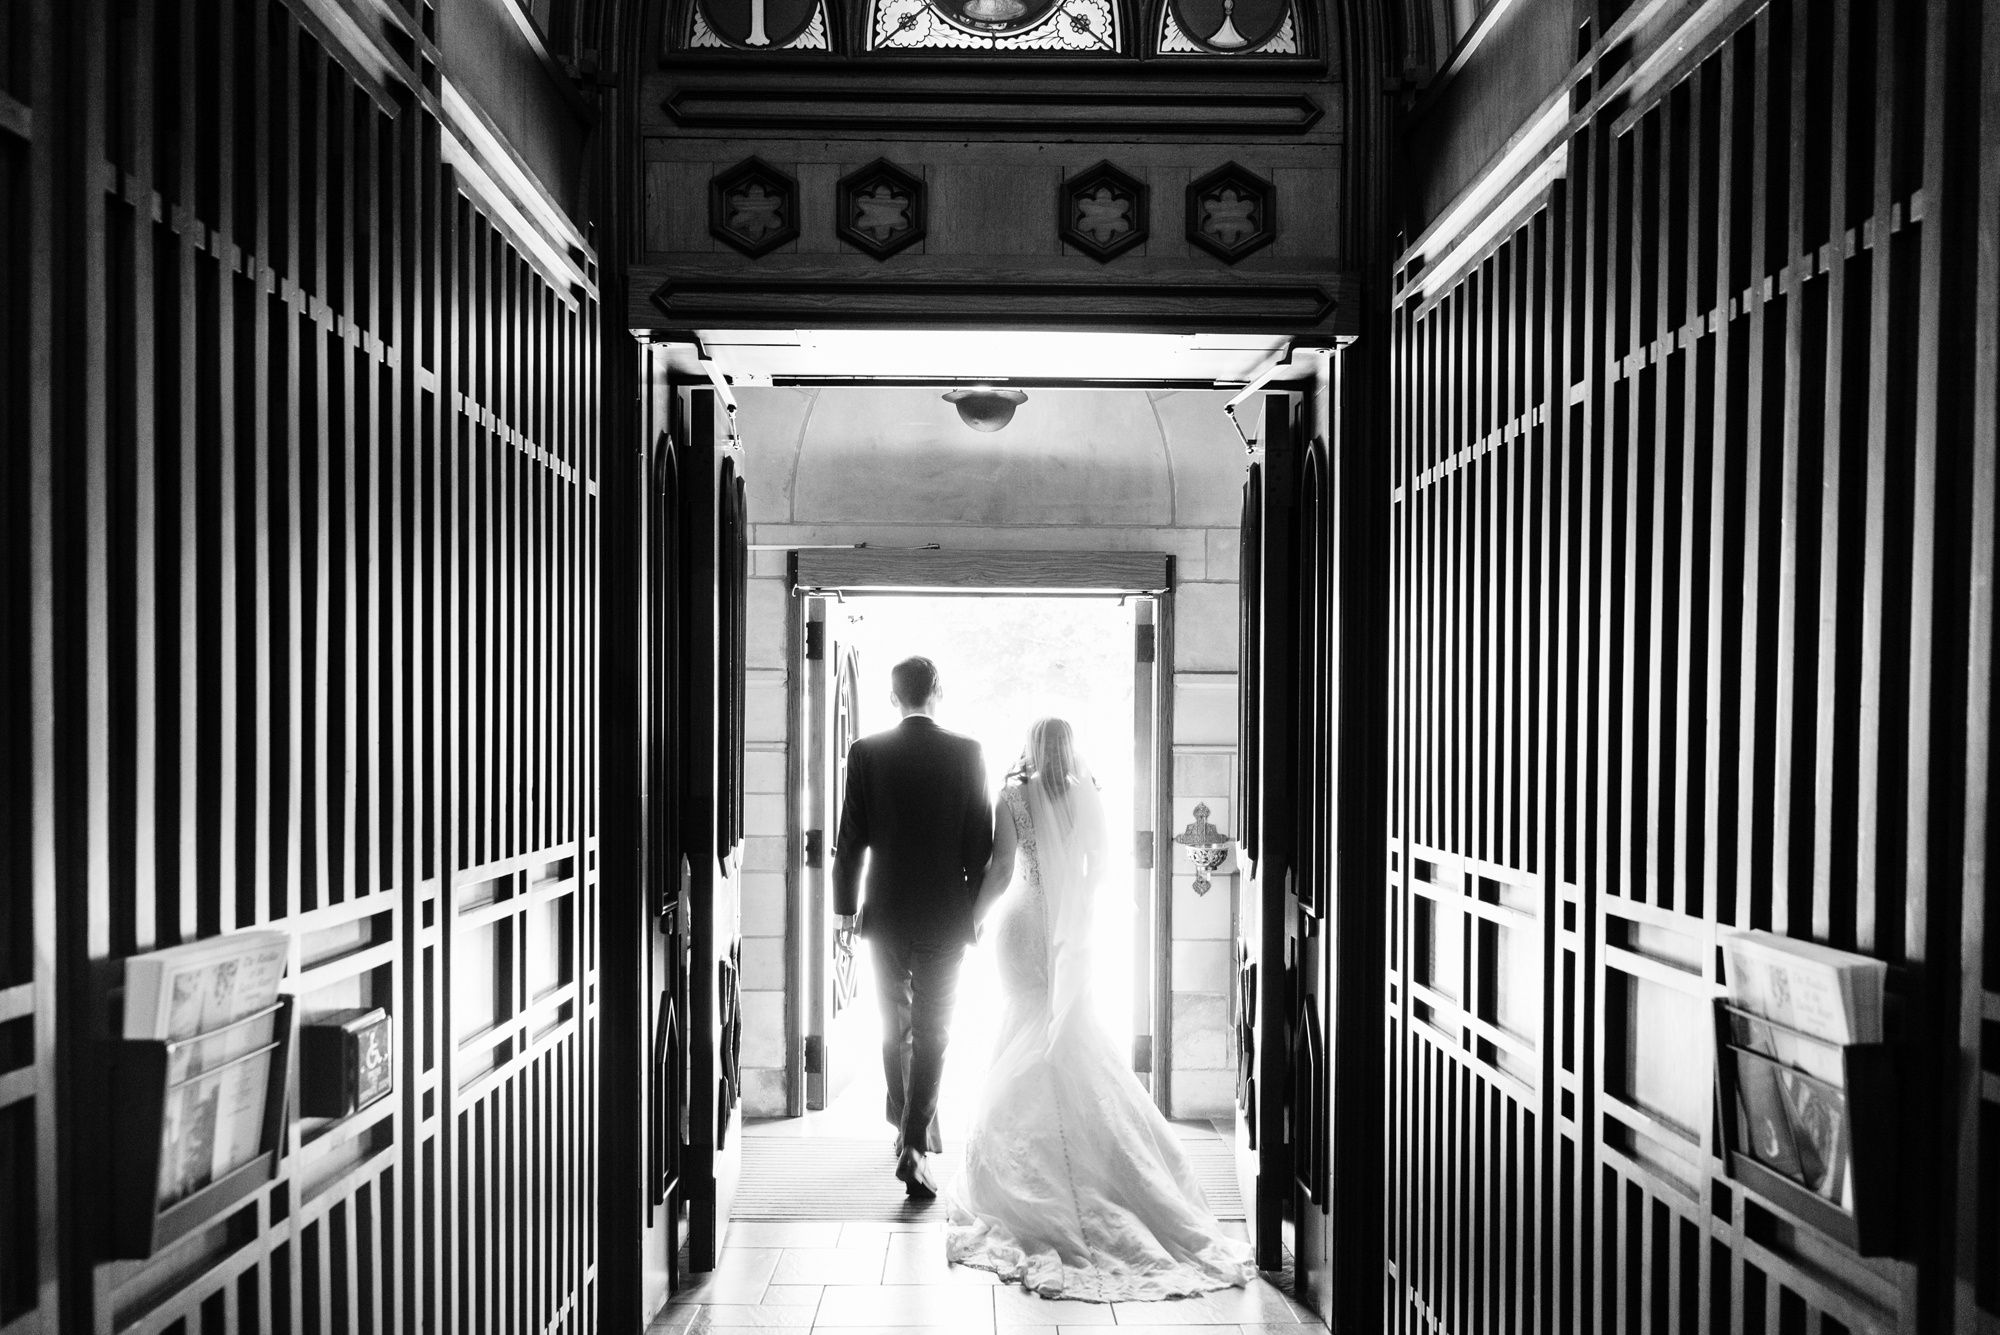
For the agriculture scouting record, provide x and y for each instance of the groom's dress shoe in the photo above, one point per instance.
(915, 1175)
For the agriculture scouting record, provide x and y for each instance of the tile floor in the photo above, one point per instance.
(893, 1277)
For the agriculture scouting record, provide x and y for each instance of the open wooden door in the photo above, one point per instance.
(664, 990)
(673, 775)
(1312, 885)
(1267, 682)
(832, 722)
(1313, 786)
(716, 526)
(1152, 852)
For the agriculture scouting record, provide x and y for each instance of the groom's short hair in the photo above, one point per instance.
(915, 681)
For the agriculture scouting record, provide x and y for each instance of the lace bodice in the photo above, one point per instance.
(1021, 936)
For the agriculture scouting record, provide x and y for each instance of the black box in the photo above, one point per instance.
(344, 1062)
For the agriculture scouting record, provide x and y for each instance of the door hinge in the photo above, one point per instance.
(1142, 850)
(1146, 641)
(815, 847)
(1142, 1054)
(815, 641)
(815, 1055)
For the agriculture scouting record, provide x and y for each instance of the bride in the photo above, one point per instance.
(1074, 1185)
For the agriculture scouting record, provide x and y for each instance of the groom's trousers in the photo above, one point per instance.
(918, 984)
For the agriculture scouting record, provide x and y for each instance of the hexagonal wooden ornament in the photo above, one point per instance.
(880, 209)
(1232, 212)
(1102, 211)
(753, 207)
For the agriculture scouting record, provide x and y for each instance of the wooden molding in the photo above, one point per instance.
(863, 569)
(899, 108)
(1034, 299)
(16, 119)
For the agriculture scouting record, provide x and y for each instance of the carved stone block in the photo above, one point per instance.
(880, 208)
(753, 207)
(1102, 211)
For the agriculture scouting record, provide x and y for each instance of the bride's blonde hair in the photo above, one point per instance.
(1051, 753)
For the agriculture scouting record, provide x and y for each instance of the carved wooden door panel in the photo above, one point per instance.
(663, 992)
(1267, 742)
(1307, 967)
(717, 560)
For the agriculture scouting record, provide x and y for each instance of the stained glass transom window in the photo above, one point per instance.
(1228, 28)
(995, 25)
(757, 25)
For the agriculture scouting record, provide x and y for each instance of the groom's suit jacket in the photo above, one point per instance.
(916, 800)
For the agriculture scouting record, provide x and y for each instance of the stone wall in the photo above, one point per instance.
(1076, 470)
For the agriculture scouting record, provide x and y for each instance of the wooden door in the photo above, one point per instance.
(711, 814)
(1309, 943)
(647, 973)
(1152, 862)
(1335, 914)
(1267, 680)
(832, 723)
(1308, 971)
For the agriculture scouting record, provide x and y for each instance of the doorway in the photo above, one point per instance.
(1156, 469)
(1004, 660)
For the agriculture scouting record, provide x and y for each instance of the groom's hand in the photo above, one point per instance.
(846, 923)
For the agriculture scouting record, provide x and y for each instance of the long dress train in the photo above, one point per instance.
(1074, 1185)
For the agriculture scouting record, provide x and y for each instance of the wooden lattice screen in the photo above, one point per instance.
(300, 389)
(1693, 557)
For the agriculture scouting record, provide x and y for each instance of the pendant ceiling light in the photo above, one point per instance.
(985, 408)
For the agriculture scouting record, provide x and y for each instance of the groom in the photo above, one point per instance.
(916, 800)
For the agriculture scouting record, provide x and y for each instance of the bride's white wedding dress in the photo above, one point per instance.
(1074, 1184)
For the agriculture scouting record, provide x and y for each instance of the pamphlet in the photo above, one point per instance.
(1794, 1006)
(205, 999)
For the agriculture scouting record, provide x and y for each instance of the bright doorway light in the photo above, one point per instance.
(1005, 662)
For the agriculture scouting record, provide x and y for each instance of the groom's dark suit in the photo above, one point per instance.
(916, 801)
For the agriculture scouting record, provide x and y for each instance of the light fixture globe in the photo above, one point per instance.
(985, 409)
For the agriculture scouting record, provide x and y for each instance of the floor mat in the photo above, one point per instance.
(794, 1177)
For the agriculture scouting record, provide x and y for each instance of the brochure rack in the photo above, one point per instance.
(1876, 1081)
(139, 1224)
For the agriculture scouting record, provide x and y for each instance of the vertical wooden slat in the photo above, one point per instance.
(321, 862)
(228, 644)
(30, 421)
(346, 442)
(1680, 864)
(1655, 444)
(1973, 1283)
(1791, 897)
(1722, 684)
(1834, 770)
(266, 869)
(222, 786)
(290, 865)
(1762, 561)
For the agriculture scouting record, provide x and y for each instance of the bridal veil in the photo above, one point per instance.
(1074, 1185)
